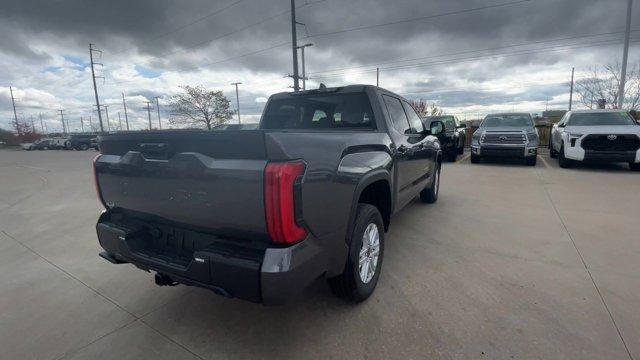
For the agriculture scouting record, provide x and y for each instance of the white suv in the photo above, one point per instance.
(598, 136)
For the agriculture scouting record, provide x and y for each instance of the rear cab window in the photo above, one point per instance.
(320, 111)
(417, 127)
(397, 114)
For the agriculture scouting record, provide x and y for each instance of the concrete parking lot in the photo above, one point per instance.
(512, 262)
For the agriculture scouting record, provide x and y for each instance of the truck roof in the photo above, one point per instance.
(358, 88)
(595, 111)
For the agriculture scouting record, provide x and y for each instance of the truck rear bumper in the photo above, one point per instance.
(271, 276)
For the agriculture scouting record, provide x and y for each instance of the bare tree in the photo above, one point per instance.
(199, 107)
(603, 83)
(424, 109)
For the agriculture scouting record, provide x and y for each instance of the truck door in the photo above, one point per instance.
(405, 156)
(424, 145)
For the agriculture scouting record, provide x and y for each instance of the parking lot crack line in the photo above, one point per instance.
(584, 263)
(70, 275)
(171, 340)
(75, 351)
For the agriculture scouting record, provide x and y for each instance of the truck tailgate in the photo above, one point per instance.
(212, 181)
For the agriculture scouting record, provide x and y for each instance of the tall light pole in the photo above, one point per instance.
(95, 88)
(237, 100)
(158, 107)
(149, 113)
(119, 122)
(294, 47)
(126, 117)
(625, 55)
(106, 111)
(81, 124)
(13, 102)
(304, 73)
(41, 123)
(64, 126)
(571, 91)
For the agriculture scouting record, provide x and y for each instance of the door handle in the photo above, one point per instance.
(402, 149)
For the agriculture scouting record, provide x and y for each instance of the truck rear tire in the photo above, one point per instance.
(366, 249)
(430, 194)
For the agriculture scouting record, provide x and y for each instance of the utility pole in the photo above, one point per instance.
(33, 128)
(377, 76)
(95, 88)
(41, 123)
(15, 115)
(81, 124)
(106, 111)
(304, 74)
(625, 55)
(237, 100)
(64, 126)
(294, 47)
(126, 117)
(571, 91)
(158, 107)
(149, 113)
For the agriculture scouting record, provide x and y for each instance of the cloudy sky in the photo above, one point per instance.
(470, 57)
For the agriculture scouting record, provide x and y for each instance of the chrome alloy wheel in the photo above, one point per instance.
(369, 253)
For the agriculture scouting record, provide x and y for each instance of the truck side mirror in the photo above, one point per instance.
(436, 128)
(462, 126)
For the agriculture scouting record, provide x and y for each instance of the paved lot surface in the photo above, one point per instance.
(512, 262)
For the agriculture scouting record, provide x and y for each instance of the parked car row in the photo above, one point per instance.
(603, 136)
(72, 142)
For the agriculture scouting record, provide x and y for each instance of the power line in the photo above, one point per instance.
(216, 12)
(468, 51)
(419, 18)
(471, 58)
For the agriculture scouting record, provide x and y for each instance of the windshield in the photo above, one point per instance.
(601, 119)
(449, 121)
(513, 120)
(325, 112)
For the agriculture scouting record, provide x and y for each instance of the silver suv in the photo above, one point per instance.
(506, 135)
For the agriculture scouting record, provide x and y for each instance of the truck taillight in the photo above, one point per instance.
(95, 181)
(279, 201)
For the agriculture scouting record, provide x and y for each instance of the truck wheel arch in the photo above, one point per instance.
(375, 189)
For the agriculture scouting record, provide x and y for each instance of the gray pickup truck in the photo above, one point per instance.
(511, 135)
(259, 214)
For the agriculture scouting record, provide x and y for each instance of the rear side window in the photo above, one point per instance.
(398, 116)
(327, 112)
(414, 119)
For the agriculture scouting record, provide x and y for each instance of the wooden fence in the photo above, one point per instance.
(543, 130)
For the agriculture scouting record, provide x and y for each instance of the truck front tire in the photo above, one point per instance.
(634, 166)
(475, 159)
(366, 249)
(562, 160)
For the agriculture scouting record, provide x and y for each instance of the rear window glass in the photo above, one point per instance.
(604, 118)
(328, 112)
